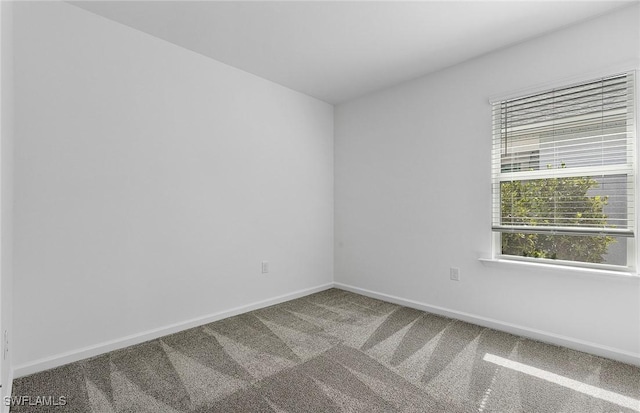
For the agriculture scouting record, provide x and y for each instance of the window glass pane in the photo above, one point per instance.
(595, 201)
(581, 248)
(576, 143)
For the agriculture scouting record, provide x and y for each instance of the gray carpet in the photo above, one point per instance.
(337, 351)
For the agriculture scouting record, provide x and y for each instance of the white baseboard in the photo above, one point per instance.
(7, 388)
(551, 338)
(95, 350)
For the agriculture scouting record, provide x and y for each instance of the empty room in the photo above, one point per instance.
(323, 206)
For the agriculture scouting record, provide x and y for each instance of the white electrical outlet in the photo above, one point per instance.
(454, 274)
(265, 267)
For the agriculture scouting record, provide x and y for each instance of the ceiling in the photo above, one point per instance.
(336, 51)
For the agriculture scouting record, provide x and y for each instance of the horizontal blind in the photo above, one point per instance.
(563, 160)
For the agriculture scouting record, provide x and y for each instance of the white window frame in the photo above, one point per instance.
(630, 169)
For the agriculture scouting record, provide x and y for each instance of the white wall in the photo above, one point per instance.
(412, 193)
(6, 194)
(150, 183)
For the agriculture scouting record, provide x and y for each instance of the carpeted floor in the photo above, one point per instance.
(338, 352)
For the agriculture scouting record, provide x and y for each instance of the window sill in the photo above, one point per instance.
(501, 262)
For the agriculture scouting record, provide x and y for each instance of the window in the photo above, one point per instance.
(563, 168)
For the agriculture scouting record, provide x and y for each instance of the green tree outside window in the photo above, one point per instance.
(554, 202)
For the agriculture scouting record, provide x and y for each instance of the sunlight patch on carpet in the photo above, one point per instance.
(609, 396)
